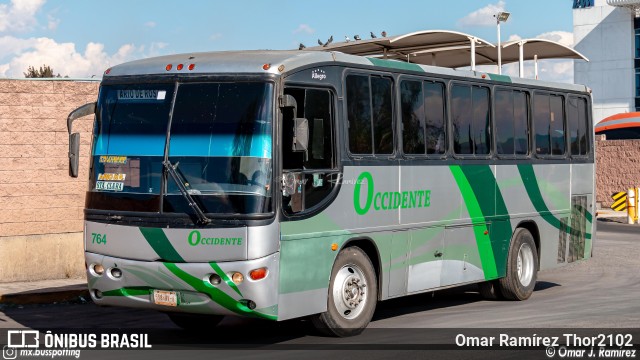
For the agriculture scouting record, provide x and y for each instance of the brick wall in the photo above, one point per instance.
(37, 196)
(617, 168)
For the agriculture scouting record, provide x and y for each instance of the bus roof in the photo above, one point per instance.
(285, 61)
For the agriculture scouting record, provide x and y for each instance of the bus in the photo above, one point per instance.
(291, 184)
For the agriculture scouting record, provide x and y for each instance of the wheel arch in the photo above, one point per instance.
(532, 227)
(369, 247)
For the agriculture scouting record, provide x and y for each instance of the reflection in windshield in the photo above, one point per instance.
(220, 136)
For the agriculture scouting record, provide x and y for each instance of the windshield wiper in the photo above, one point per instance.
(171, 169)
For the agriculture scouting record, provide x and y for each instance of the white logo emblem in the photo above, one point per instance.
(318, 74)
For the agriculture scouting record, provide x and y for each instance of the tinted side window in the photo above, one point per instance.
(412, 104)
(359, 114)
(511, 122)
(434, 103)
(370, 114)
(548, 113)
(471, 120)
(422, 117)
(578, 138)
(461, 114)
(382, 115)
(557, 125)
(541, 116)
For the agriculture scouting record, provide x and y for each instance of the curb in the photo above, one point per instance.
(46, 296)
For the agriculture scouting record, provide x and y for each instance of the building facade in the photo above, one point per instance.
(608, 33)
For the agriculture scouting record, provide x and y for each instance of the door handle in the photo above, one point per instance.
(437, 254)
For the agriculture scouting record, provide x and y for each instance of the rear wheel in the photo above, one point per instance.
(352, 295)
(522, 267)
(192, 322)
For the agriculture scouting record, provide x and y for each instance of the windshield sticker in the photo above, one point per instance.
(113, 159)
(112, 177)
(142, 94)
(109, 185)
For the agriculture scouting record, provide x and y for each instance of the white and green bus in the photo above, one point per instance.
(287, 184)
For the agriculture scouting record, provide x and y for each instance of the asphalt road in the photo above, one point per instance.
(603, 292)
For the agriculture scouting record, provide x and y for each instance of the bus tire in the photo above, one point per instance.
(353, 293)
(490, 290)
(193, 322)
(522, 267)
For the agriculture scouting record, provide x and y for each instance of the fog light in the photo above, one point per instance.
(248, 303)
(237, 278)
(258, 274)
(98, 269)
(97, 294)
(116, 273)
(215, 279)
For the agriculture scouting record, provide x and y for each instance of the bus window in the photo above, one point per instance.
(471, 120)
(359, 114)
(578, 126)
(422, 106)
(309, 176)
(412, 107)
(548, 113)
(370, 114)
(434, 127)
(511, 122)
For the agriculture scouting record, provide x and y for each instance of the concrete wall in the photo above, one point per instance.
(41, 207)
(617, 168)
(605, 35)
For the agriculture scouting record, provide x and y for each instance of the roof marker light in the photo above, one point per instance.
(266, 66)
(169, 66)
(107, 71)
(179, 67)
(191, 66)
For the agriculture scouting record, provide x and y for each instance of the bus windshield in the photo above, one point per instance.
(216, 135)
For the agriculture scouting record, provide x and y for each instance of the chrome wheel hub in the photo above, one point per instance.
(350, 291)
(525, 265)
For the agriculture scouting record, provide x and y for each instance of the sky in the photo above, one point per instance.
(82, 38)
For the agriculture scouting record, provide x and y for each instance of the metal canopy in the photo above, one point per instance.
(403, 46)
(453, 49)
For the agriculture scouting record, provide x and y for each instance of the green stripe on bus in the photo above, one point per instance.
(128, 291)
(161, 244)
(533, 190)
(485, 187)
(484, 243)
(215, 294)
(224, 277)
(400, 65)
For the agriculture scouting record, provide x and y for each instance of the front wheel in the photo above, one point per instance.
(522, 267)
(352, 295)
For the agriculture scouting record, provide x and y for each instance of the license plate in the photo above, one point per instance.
(166, 298)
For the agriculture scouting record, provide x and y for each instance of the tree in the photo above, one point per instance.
(45, 71)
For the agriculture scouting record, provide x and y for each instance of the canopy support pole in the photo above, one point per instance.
(473, 53)
(521, 60)
(535, 62)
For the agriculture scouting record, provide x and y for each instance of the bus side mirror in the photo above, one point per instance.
(74, 154)
(74, 139)
(300, 134)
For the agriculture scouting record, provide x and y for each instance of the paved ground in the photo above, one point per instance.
(603, 292)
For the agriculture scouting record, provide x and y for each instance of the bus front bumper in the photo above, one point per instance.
(185, 287)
